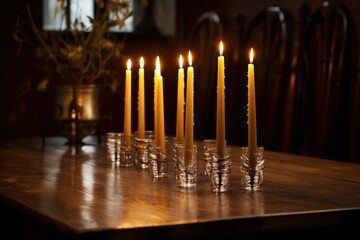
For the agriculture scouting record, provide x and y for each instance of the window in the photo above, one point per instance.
(54, 17)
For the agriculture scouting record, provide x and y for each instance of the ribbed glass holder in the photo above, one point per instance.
(175, 157)
(126, 151)
(252, 176)
(186, 165)
(113, 144)
(158, 161)
(220, 170)
(141, 149)
(208, 144)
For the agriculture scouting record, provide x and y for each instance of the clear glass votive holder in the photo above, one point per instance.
(252, 177)
(126, 151)
(175, 156)
(186, 165)
(220, 170)
(113, 144)
(207, 144)
(141, 149)
(158, 160)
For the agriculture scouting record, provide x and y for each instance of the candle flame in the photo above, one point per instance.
(181, 61)
(141, 62)
(251, 55)
(190, 58)
(157, 65)
(221, 48)
(129, 64)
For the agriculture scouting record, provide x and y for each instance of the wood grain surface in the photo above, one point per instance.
(83, 196)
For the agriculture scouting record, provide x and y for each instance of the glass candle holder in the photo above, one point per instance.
(126, 151)
(208, 144)
(252, 177)
(186, 166)
(175, 156)
(141, 149)
(113, 144)
(158, 159)
(220, 170)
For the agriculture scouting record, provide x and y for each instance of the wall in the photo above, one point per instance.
(20, 114)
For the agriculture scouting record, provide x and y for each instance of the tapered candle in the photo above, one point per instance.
(189, 114)
(156, 73)
(252, 142)
(127, 106)
(141, 101)
(180, 102)
(220, 110)
(160, 129)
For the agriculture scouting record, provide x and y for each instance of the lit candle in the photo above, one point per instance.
(141, 101)
(180, 102)
(220, 110)
(160, 129)
(189, 115)
(127, 107)
(252, 143)
(156, 73)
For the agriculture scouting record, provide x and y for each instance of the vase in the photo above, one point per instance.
(76, 111)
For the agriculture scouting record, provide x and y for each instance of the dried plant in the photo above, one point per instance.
(76, 54)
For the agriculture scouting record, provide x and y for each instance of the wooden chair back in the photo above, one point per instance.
(270, 34)
(325, 110)
(203, 42)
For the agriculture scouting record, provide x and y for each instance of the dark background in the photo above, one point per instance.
(21, 109)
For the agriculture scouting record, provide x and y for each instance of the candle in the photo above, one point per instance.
(156, 73)
(220, 110)
(141, 101)
(252, 143)
(127, 107)
(189, 115)
(180, 102)
(160, 128)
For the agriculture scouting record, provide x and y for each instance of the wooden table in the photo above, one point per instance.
(53, 193)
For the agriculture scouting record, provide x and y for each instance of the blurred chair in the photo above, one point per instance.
(289, 141)
(270, 35)
(326, 95)
(203, 41)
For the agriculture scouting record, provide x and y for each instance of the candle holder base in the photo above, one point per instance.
(175, 156)
(158, 160)
(141, 158)
(120, 149)
(220, 170)
(141, 149)
(113, 146)
(126, 151)
(252, 178)
(186, 165)
(208, 144)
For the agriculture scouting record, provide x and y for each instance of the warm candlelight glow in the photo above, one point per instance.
(190, 58)
(221, 48)
(157, 65)
(141, 62)
(129, 64)
(251, 55)
(181, 61)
